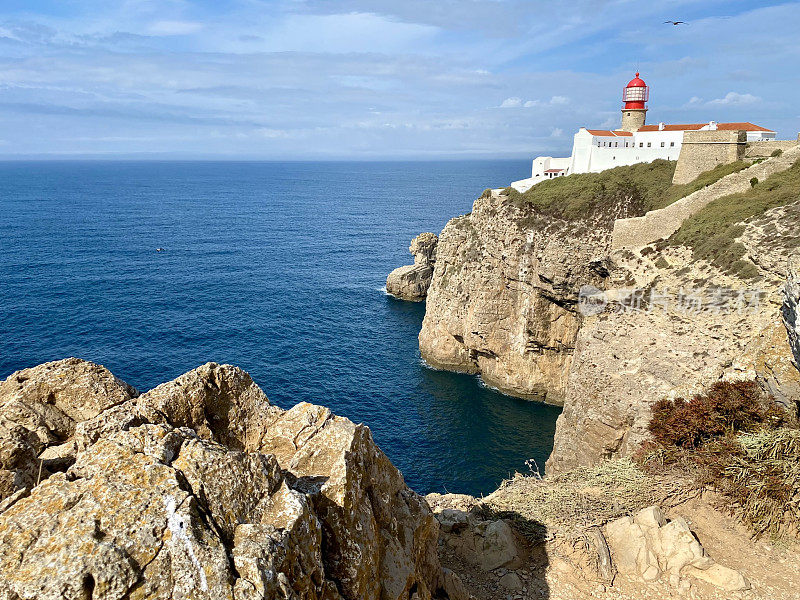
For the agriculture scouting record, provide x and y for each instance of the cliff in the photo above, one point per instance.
(665, 320)
(502, 301)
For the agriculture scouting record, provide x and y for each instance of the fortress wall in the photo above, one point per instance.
(662, 223)
(764, 149)
(703, 150)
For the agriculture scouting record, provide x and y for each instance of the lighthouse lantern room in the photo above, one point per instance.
(634, 110)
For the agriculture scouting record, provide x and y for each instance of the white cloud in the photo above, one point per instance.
(512, 102)
(358, 77)
(515, 102)
(174, 27)
(557, 132)
(734, 98)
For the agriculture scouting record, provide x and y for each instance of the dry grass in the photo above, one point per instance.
(576, 500)
(766, 480)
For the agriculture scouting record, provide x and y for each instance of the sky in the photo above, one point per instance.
(358, 79)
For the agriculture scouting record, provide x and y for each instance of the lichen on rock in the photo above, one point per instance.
(200, 488)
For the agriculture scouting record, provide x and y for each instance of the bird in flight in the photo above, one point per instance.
(676, 22)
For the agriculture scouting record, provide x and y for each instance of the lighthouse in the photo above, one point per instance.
(595, 150)
(634, 108)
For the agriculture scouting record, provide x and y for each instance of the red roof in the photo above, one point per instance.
(554, 170)
(606, 132)
(636, 82)
(698, 126)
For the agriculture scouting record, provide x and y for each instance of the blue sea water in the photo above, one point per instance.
(274, 267)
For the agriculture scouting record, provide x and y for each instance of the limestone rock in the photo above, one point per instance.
(220, 402)
(649, 548)
(626, 359)
(39, 410)
(791, 313)
(722, 577)
(511, 581)
(503, 298)
(411, 282)
(453, 586)
(379, 524)
(222, 496)
(499, 547)
(488, 544)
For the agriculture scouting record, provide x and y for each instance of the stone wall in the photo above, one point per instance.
(703, 150)
(766, 148)
(662, 223)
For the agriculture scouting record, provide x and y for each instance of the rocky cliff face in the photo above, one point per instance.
(695, 326)
(411, 282)
(504, 302)
(791, 313)
(200, 488)
(503, 298)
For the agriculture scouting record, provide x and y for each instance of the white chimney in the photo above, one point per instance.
(712, 125)
(661, 126)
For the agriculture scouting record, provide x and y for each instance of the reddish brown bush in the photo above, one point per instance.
(728, 407)
(736, 440)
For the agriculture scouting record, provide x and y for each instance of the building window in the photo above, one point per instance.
(663, 144)
(649, 144)
(671, 144)
(616, 144)
(641, 144)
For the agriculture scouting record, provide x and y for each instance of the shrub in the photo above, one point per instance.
(735, 440)
(662, 263)
(728, 407)
(487, 193)
(753, 181)
(777, 152)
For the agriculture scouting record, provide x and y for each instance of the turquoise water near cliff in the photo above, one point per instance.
(274, 267)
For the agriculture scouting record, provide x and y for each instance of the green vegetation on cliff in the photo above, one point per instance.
(620, 192)
(633, 190)
(711, 233)
(676, 192)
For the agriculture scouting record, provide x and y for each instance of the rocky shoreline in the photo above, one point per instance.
(201, 488)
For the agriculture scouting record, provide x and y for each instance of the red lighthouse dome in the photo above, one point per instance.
(635, 94)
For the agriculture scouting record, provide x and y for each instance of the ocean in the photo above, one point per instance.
(275, 267)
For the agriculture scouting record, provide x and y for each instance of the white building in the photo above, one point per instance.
(595, 150)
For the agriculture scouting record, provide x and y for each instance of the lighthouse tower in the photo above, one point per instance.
(634, 109)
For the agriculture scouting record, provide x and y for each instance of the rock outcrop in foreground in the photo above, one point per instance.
(199, 489)
(411, 281)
